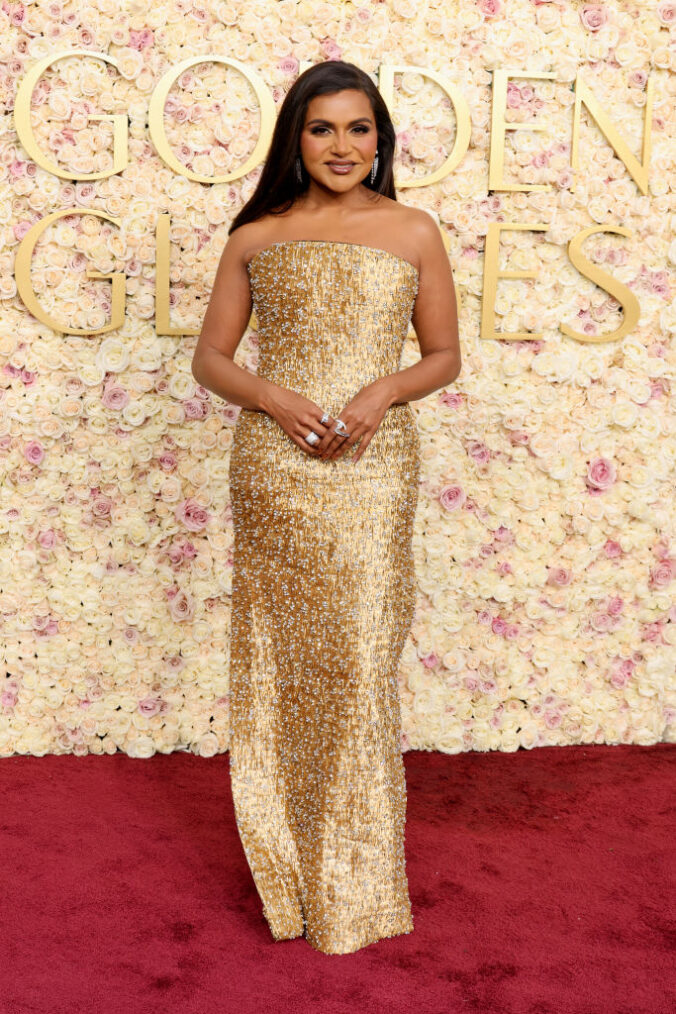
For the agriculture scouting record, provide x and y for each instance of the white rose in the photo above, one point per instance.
(113, 355)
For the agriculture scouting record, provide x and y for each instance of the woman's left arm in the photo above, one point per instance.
(435, 319)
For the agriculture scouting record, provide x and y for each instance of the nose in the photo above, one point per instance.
(342, 144)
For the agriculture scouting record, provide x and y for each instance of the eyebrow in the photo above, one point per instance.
(359, 120)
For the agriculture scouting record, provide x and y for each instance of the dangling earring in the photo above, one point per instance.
(374, 167)
(299, 170)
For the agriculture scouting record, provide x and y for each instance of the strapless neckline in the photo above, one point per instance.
(335, 242)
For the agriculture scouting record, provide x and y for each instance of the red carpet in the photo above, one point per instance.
(541, 882)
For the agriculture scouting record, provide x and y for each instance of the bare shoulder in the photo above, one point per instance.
(421, 231)
(422, 228)
(246, 240)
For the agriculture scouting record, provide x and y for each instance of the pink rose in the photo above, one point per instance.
(663, 573)
(150, 706)
(195, 408)
(514, 97)
(499, 626)
(331, 50)
(20, 229)
(601, 473)
(189, 551)
(661, 548)
(230, 413)
(181, 607)
(638, 78)
(602, 622)
(34, 452)
(429, 661)
(192, 515)
(559, 576)
(593, 16)
(101, 505)
(47, 539)
(490, 8)
(666, 12)
(288, 65)
(612, 549)
(175, 554)
(451, 398)
(615, 605)
(652, 633)
(114, 397)
(452, 497)
(478, 451)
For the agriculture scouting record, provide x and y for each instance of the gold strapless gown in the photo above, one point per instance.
(323, 594)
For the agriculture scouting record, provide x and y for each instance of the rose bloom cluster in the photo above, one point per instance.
(544, 535)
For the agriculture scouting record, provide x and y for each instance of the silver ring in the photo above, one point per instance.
(325, 418)
(312, 438)
(340, 428)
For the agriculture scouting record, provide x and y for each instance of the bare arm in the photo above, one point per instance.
(225, 321)
(435, 319)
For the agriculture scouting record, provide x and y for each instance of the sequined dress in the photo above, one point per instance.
(323, 593)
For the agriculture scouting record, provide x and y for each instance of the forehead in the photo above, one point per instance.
(339, 106)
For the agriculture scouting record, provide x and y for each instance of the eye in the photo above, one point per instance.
(363, 128)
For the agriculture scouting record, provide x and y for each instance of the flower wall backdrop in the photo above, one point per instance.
(545, 531)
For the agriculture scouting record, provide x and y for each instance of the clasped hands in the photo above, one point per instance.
(298, 416)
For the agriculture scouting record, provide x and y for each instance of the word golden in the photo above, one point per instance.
(638, 169)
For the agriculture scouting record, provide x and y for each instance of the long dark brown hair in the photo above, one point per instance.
(277, 186)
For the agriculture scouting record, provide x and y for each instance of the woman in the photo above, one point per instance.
(324, 474)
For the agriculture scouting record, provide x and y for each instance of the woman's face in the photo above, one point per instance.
(339, 127)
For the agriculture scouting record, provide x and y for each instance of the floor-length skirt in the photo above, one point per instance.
(323, 593)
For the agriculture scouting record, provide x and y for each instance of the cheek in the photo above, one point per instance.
(312, 145)
(367, 146)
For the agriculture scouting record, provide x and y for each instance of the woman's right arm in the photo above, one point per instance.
(225, 321)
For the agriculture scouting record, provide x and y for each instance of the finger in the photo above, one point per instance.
(314, 425)
(302, 441)
(331, 440)
(322, 428)
(366, 439)
(347, 442)
(354, 430)
(327, 435)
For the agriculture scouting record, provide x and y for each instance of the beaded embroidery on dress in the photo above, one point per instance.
(323, 594)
